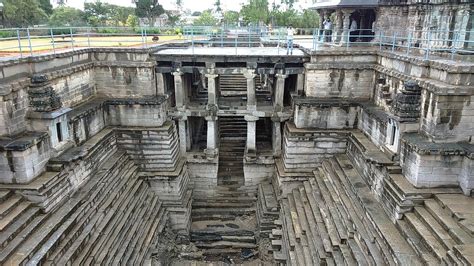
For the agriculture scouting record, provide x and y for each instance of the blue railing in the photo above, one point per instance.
(31, 41)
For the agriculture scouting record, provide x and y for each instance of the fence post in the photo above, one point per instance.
(236, 43)
(89, 37)
(249, 34)
(29, 41)
(146, 41)
(428, 47)
(348, 40)
(72, 38)
(380, 41)
(409, 43)
(19, 43)
(454, 44)
(222, 36)
(143, 40)
(52, 41)
(393, 41)
(192, 38)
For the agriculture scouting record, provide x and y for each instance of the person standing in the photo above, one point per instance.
(327, 25)
(289, 38)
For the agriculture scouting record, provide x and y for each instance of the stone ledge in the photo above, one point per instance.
(22, 142)
(423, 145)
(437, 87)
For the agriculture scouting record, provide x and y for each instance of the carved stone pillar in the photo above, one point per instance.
(212, 88)
(251, 133)
(346, 15)
(183, 138)
(276, 138)
(160, 84)
(279, 91)
(212, 136)
(337, 28)
(251, 95)
(300, 84)
(179, 93)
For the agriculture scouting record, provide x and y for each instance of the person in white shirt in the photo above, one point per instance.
(289, 38)
(327, 24)
(353, 31)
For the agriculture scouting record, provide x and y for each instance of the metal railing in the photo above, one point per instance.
(32, 41)
(425, 43)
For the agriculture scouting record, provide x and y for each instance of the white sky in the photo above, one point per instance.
(193, 5)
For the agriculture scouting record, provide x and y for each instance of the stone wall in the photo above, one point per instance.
(325, 115)
(427, 164)
(440, 17)
(127, 80)
(447, 118)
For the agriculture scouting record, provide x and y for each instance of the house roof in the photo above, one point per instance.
(319, 4)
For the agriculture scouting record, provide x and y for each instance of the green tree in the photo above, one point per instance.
(46, 6)
(206, 19)
(66, 16)
(173, 20)
(120, 14)
(148, 9)
(256, 11)
(132, 21)
(96, 13)
(23, 13)
(62, 2)
(231, 17)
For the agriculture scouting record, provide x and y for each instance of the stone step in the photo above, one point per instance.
(4, 195)
(445, 219)
(426, 237)
(224, 244)
(12, 231)
(9, 204)
(436, 229)
(73, 246)
(199, 205)
(416, 243)
(13, 214)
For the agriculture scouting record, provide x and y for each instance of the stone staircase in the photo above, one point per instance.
(234, 87)
(224, 225)
(334, 219)
(113, 218)
(437, 233)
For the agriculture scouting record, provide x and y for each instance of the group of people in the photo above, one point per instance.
(327, 33)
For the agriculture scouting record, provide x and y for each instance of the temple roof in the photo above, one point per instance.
(319, 4)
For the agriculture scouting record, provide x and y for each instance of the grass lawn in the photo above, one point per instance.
(8, 47)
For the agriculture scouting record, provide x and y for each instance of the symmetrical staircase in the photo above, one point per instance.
(334, 219)
(224, 225)
(438, 234)
(113, 218)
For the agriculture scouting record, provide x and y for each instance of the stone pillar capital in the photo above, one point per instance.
(211, 76)
(250, 118)
(347, 12)
(178, 72)
(211, 118)
(281, 76)
(249, 73)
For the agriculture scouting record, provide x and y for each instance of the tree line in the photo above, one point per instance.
(27, 13)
